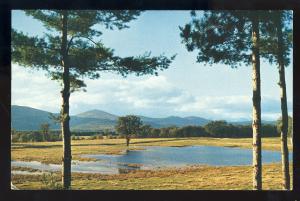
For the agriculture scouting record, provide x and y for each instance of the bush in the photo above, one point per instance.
(111, 137)
(34, 136)
(76, 138)
(37, 137)
(120, 137)
(93, 137)
(99, 136)
(50, 182)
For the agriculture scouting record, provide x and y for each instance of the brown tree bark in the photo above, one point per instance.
(65, 118)
(284, 111)
(256, 111)
(127, 141)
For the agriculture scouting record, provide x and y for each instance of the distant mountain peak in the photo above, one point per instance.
(28, 118)
(93, 111)
(97, 114)
(173, 117)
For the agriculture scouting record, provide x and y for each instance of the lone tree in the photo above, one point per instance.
(45, 131)
(71, 50)
(276, 45)
(232, 38)
(128, 126)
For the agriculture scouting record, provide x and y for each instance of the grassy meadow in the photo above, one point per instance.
(192, 177)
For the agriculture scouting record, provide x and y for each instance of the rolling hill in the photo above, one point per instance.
(174, 121)
(97, 114)
(27, 118)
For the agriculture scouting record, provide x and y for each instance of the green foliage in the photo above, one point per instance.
(225, 36)
(128, 125)
(290, 126)
(219, 36)
(111, 137)
(68, 53)
(75, 137)
(30, 136)
(84, 133)
(13, 131)
(269, 37)
(87, 55)
(218, 129)
(55, 118)
(45, 131)
(50, 182)
(99, 137)
(35, 136)
(94, 137)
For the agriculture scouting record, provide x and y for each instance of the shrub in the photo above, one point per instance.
(99, 136)
(34, 136)
(76, 138)
(50, 182)
(93, 137)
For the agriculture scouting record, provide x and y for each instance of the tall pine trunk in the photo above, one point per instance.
(127, 141)
(284, 111)
(65, 118)
(256, 112)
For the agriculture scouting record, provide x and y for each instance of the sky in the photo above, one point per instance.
(186, 88)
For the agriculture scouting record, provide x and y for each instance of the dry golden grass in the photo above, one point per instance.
(196, 177)
(190, 178)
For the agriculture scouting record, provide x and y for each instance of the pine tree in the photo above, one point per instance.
(276, 45)
(71, 50)
(232, 38)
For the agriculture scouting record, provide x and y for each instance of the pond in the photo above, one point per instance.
(155, 157)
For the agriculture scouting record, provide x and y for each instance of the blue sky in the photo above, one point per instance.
(187, 88)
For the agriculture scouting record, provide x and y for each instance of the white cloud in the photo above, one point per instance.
(138, 94)
(150, 96)
(219, 107)
(34, 89)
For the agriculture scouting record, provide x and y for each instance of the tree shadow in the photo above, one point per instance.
(231, 146)
(145, 142)
(22, 146)
(99, 144)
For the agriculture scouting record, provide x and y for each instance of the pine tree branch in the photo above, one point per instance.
(78, 36)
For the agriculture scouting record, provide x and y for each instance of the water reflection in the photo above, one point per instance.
(153, 157)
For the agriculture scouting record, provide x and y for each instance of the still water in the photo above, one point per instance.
(155, 157)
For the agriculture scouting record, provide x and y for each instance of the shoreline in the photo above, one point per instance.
(51, 152)
(193, 177)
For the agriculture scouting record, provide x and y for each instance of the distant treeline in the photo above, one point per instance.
(217, 129)
(55, 135)
(34, 136)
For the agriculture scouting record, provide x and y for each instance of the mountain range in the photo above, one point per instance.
(27, 118)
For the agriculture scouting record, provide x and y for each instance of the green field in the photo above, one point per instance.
(194, 177)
